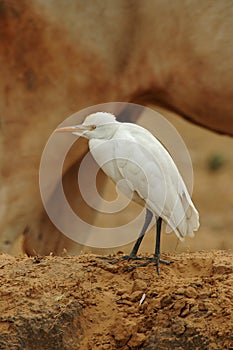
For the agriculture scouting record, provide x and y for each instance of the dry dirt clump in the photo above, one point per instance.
(87, 303)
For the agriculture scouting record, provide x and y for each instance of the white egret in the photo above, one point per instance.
(126, 151)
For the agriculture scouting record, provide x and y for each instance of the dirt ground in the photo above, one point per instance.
(88, 303)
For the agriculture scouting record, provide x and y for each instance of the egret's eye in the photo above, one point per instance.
(92, 127)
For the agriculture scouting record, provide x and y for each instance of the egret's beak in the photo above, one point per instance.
(76, 128)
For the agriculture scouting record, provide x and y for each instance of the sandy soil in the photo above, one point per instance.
(87, 303)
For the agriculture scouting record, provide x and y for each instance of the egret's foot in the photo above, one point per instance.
(148, 261)
(158, 261)
(155, 260)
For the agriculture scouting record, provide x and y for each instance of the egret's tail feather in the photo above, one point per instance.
(185, 218)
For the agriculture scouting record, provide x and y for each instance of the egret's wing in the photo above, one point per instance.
(138, 166)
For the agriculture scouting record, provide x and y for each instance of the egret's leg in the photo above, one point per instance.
(158, 235)
(133, 254)
(147, 222)
(157, 245)
(156, 257)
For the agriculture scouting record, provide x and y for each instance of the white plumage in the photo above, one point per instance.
(129, 152)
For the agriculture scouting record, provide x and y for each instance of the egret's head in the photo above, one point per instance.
(100, 125)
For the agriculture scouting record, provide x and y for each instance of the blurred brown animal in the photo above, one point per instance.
(57, 57)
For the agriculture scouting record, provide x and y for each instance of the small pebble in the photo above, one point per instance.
(202, 306)
(165, 301)
(136, 340)
(190, 292)
(139, 285)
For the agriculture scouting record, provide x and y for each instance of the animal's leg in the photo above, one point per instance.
(156, 257)
(133, 254)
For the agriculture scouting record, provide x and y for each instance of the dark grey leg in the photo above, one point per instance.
(158, 235)
(157, 246)
(156, 257)
(157, 243)
(133, 254)
(147, 222)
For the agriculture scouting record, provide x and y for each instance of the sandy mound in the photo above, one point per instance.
(87, 303)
